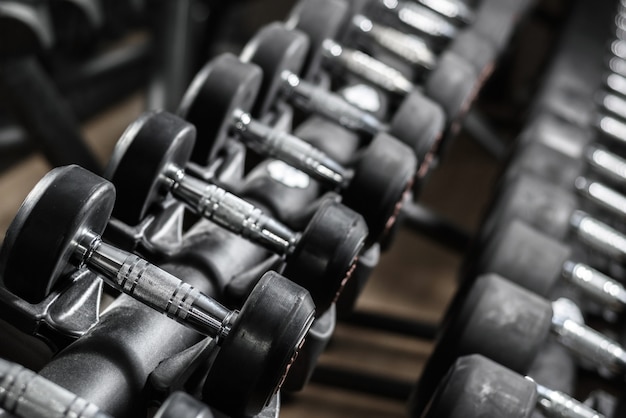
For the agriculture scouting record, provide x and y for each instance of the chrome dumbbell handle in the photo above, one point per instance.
(599, 235)
(410, 48)
(555, 404)
(616, 83)
(586, 342)
(602, 195)
(25, 394)
(154, 287)
(450, 9)
(421, 19)
(607, 163)
(613, 104)
(603, 289)
(231, 212)
(314, 99)
(367, 67)
(294, 151)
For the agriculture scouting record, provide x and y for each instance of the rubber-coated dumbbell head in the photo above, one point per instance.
(387, 166)
(329, 248)
(540, 204)
(419, 123)
(525, 256)
(254, 359)
(476, 387)
(149, 146)
(222, 86)
(545, 162)
(453, 84)
(65, 203)
(320, 20)
(495, 318)
(275, 49)
(476, 50)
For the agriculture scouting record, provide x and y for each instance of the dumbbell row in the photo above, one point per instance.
(91, 251)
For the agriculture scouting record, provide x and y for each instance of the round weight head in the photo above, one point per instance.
(320, 20)
(525, 256)
(419, 122)
(545, 162)
(327, 251)
(223, 85)
(255, 357)
(476, 50)
(275, 49)
(183, 405)
(150, 145)
(383, 174)
(535, 201)
(453, 85)
(497, 319)
(40, 242)
(476, 387)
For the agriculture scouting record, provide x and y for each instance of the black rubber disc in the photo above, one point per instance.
(222, 85)
(275, 49)
(383, 174)
(149, 145)
(542, 205)
(476, 387)
(327, 252)
(255, 357)
(495, 318)
(419, 122)
(38, 247)
(476, 50)
(526, 257)
(452, 84)
(320, 20)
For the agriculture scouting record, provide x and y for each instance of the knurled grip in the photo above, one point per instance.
(607, 164)
(316, 100)
(368, 68)
(602, 196)
(555, 404)
(24, 393)
(603, 289)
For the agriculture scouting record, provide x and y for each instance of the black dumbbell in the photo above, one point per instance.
(453, 87)
(510, 325)
(555, 212)
(148, 165)
(217, 103)
(477, 387)
(25, 394)
(280, 53)
(537, 262)
(564, 166)
(60, 225)
(542, 162)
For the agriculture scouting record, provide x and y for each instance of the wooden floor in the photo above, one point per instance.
(415, 279)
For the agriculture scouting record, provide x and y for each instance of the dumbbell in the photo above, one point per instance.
(555, 212)
(280, 52)
(452, 87)
(24, 394)
(217, 103)
(60, 225)
(544, 163)
(477, 387)
(510, 325)
(564, 165)
(537, 262)
(148, 165)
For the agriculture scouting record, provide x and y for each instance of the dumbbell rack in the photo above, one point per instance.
(330, 376)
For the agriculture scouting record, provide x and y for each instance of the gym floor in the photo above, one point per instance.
(414, 280)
